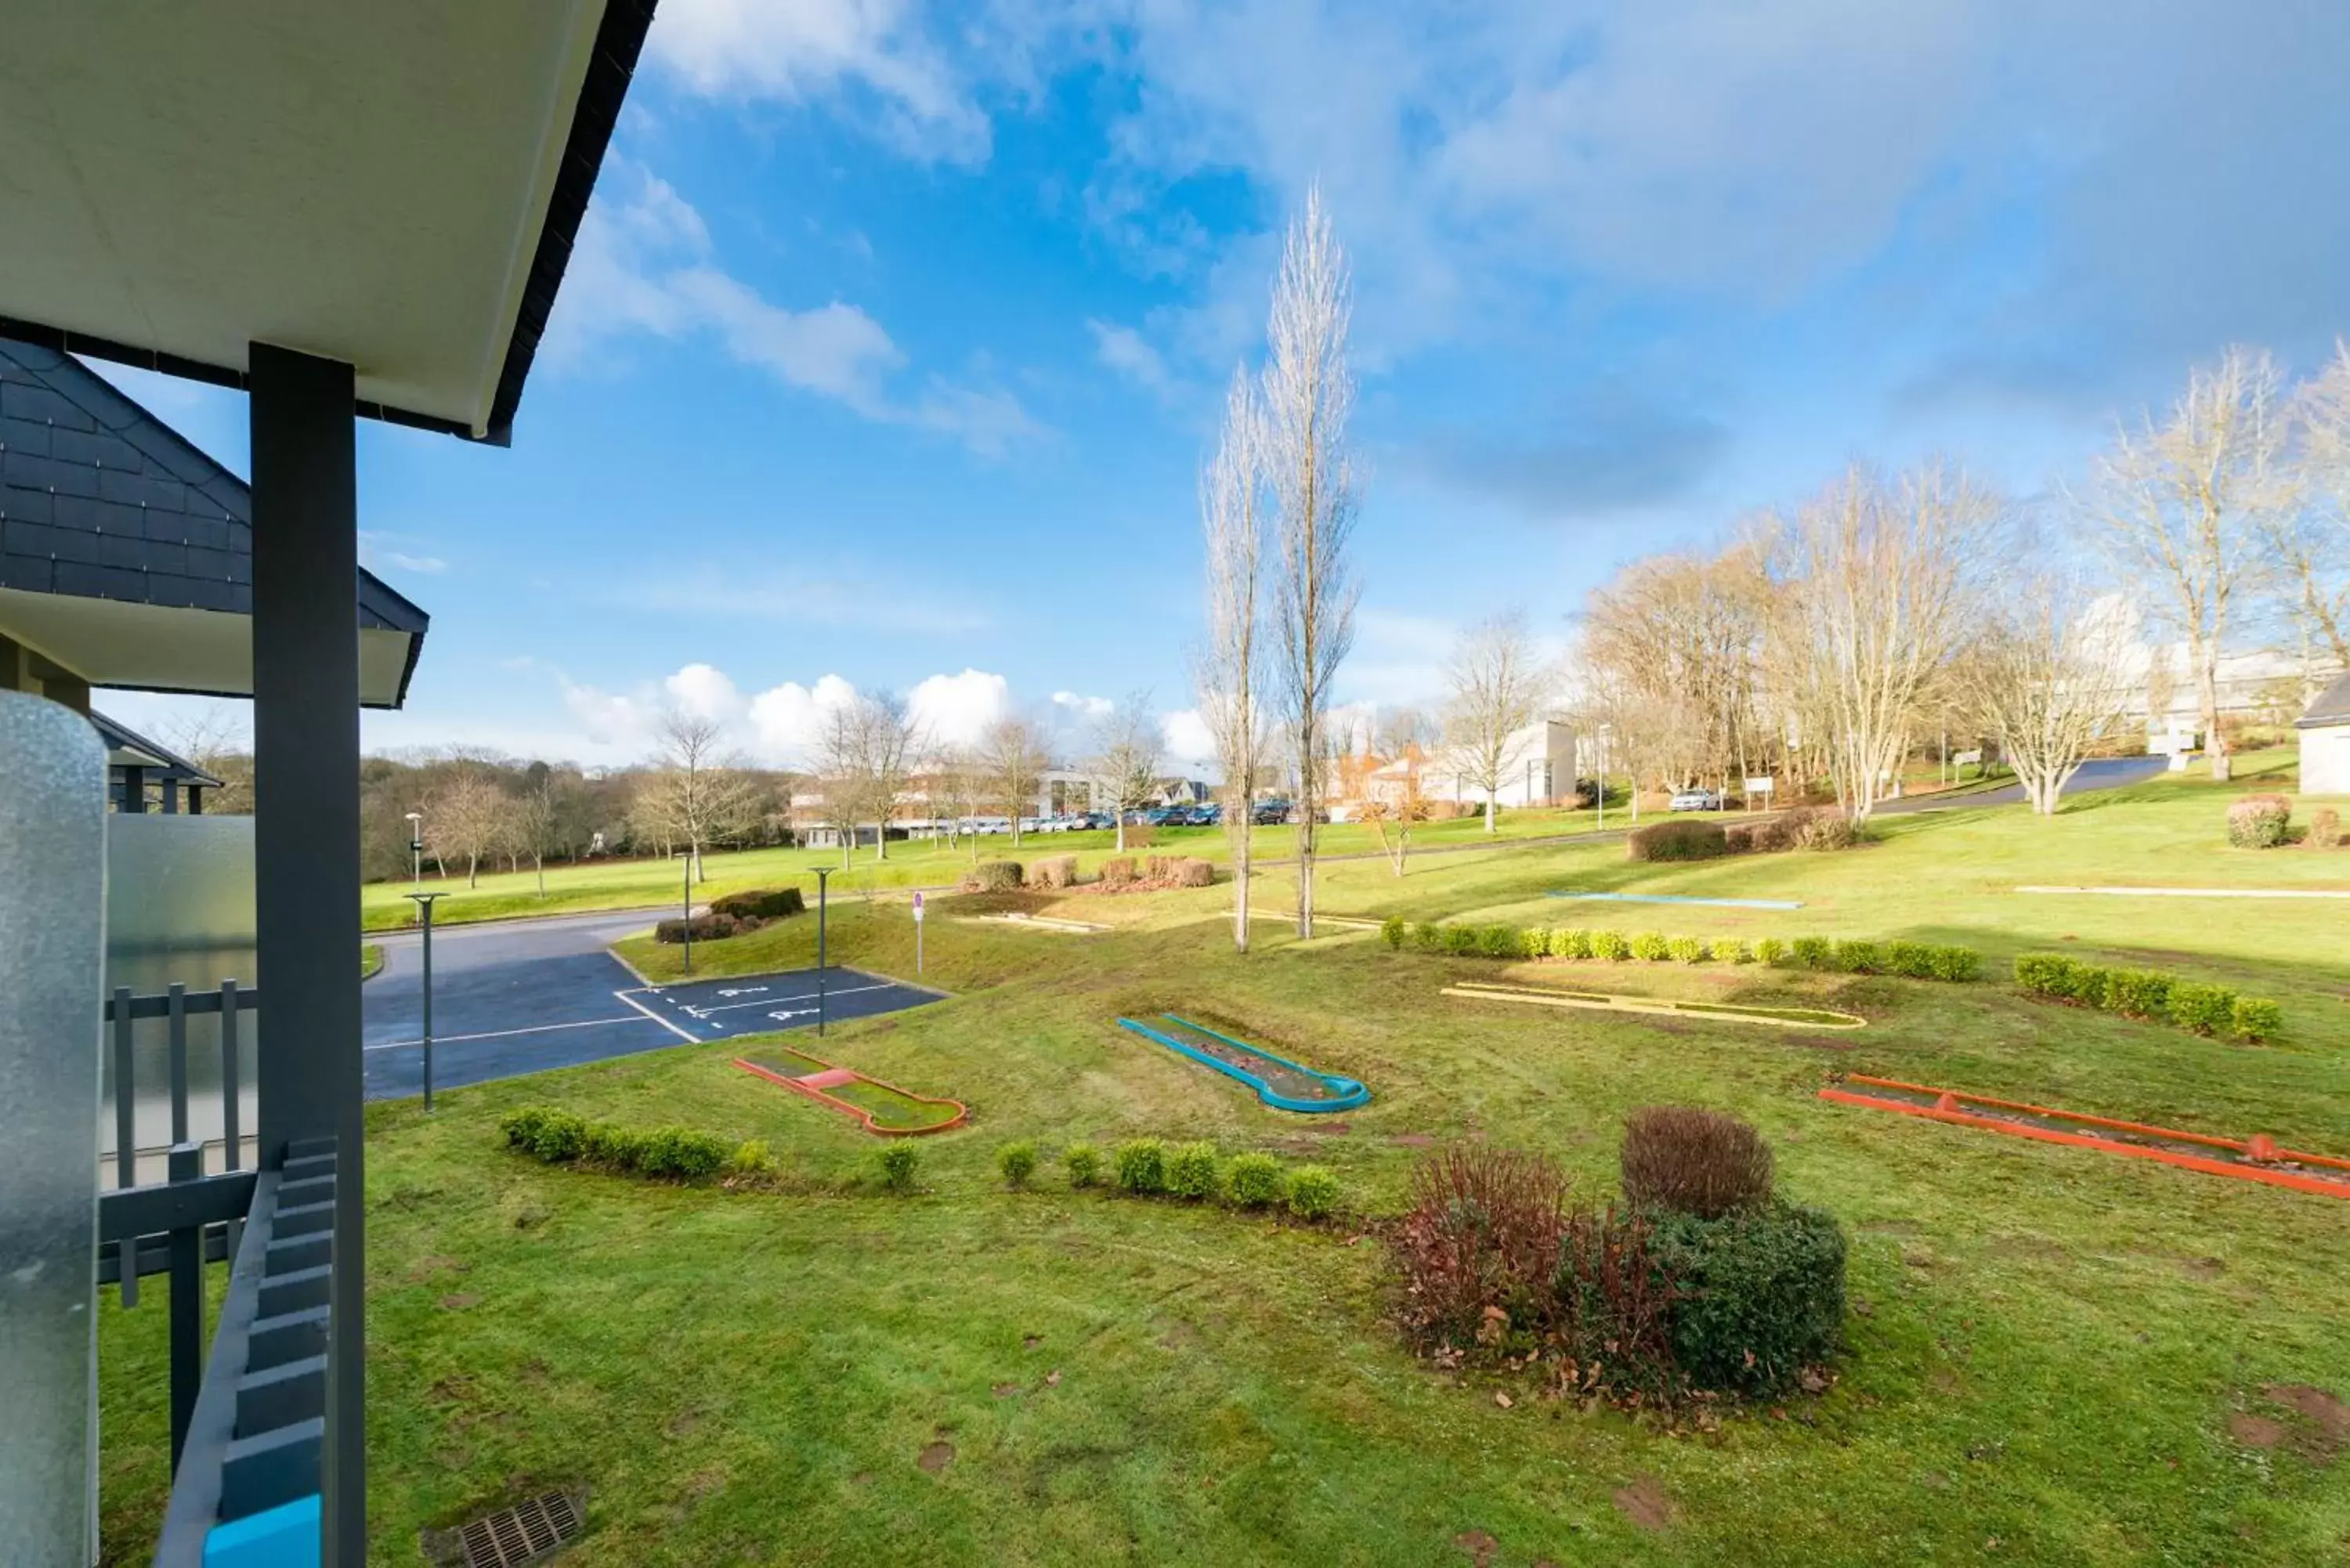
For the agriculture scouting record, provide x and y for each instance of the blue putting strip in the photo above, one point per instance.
(286, 1536)
(1677, 898)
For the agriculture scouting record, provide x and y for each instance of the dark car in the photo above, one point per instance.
(1270, 813)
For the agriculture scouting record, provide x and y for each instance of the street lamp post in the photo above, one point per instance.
(687, 924)
(415, 850)
(425, 922)
(822, 884)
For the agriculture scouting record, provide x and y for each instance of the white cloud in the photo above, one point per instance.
(865, 57)
(1083, 706)
(956, 710)
(643, 266)
(1125, 350)
(705, 692)
(1186, 738)
(377, 553)
(788, 719)
(813, 595)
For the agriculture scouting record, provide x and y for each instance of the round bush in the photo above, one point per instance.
(1691, 1160)
(682, 1153)
(1192, 1170)
(1312, 1192)
(1687, 949)
(759, 904)
(521, 1126)
(1499, 941)
(1611, 946)
(1461, 941)
(1570, 944)
(1254, 1180)
(1762, 1294)
(2260, 821)
(899, 1162)
(1770, 949)
(1142, 1166)
(1652, 947)
(1427, 937)
(994, 876)
(608, 1143)
(1393, 929)
(1083, 1161)
(1858, 956)
(1735, 950)
(750, 1158)
(1678, 841)
(1017, 1161)
(559, 1135)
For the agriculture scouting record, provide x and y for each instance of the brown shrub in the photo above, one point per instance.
(1825, 829)
(2324, 829)
(1140, 836)
(706, 929)
(993, 877)
(1052, 871)
(1190, 872)
(1158, 867)
(1694, 1161)
(1117, 872)
(1479, 1245)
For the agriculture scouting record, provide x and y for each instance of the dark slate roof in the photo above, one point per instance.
(99, 499)
(2331, 706)
(122, 737)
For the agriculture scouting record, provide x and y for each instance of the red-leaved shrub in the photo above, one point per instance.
(1479, 1245)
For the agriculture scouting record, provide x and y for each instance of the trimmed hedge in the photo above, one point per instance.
(1254, 1180)
(1142, 1165)
(1117, 871)
(1193, 1170)
(1052, 871)
(2148, 995)
(1312, 1192)
(1017, 1161)
(1913, 961)
(561, 1137)
(1678, 841)
(899, 1162)
(1760, 1294)
(709, 928)
(761, 904)
(1083, 1161)
(994, 876)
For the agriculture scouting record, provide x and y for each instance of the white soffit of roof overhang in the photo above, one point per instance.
(365, 183)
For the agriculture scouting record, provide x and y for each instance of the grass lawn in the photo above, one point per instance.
(654, 883)
(371, 959)
(2054, 1357)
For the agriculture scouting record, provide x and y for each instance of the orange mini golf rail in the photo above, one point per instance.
(2253, 1164)
(812, 1085)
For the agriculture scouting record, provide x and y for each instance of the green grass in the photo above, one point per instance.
(660, 884)
(2047, 1349)
(371, 959)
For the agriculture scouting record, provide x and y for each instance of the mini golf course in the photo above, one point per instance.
(1283, 1085)
(884, 1108)
(2257, 1159)
(1039, 923)
(1611, 1001)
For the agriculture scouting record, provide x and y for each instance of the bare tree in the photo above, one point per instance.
(1229, 678)
(1877, 595)
(1498, 688)
(1013, 752)
(959, 785)
(2179, 507)
(2049, 677)
(470, 816)
(542, 816)
(1128, 745)
(699, 796)
(870, 744)
(1308, 393)
(2308, 545)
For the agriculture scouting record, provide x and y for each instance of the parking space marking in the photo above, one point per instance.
(771, 1001)
(677, 1028)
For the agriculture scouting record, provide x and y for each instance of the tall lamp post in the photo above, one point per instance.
(424, 923)
(823, 885)
(687, 924)
(415, 850)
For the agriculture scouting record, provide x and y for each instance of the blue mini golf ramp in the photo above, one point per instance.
(1283, 1085)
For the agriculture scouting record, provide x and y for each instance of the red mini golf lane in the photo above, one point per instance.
(2256, 1159)
(828, 1076)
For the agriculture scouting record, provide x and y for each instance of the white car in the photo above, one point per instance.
(1696, 800)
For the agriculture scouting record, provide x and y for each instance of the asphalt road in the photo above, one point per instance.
(2097, 773)
(515, 997)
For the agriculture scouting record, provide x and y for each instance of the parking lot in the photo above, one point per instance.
(524, 997)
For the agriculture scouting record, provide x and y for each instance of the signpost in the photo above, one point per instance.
(424, 924)
(918, 933)
(1759, 786)
(686, 925)
(822, 882)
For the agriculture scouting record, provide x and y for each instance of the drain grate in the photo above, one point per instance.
(524, 1533)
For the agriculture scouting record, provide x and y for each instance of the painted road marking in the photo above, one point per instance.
(679, 1030)
(501, 1034)
(745, 991)
(694, 1012)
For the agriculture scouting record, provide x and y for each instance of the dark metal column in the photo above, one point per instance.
(306, 708)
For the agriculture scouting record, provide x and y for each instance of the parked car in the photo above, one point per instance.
(1167, 816)
(1269, 813)
(1208, 815)
(1696, 800)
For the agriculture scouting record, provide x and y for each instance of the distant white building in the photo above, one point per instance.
(1539, 768)
(2325, 741)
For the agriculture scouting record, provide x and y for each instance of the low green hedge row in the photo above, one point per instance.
(1758, 1294)
(1151, 1167)
(1916, 960)
(2151, 994)
(565, 1137)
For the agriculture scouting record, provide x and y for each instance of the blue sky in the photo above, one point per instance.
(896, 334)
